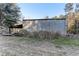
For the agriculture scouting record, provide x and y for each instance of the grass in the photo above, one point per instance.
(29, 40)
(57, 41)
(66, 41)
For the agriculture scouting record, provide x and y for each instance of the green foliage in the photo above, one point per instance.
(18, 34)
(25, 33)
(10, 13)
(68, 7)
(72, 29)
(66, 41)
(40, 35)
(60, 17)
(9, 22)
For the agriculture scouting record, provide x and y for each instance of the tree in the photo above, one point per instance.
(10, 13)
(77, 11)
(69, 7)
(61, 16)
(77, 17)
(46, 17)
(55, 17)
(1, 13)
(70, 17)
(77, 7)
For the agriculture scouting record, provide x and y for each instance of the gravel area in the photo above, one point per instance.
(11, 46)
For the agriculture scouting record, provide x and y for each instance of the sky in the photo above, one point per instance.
(41, 10)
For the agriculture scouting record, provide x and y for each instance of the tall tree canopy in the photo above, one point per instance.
(70, 17)
(9, 14)
(68, 7)
(77, 11)
(77, 7)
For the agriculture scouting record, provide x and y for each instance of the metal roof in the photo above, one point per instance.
(44, 19)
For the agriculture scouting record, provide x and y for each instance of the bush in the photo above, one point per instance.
(48, 35)
(22, 33)
(44, 34)
(40, 34)
(18, 34)
(35, 34)
(25, 32)
(56, 35)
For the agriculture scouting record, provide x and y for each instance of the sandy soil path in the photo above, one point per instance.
(9, 46)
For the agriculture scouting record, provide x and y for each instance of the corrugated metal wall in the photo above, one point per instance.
(46, 25)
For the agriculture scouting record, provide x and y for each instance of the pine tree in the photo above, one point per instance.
(9, 14)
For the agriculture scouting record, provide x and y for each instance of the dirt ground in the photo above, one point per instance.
(12, 46)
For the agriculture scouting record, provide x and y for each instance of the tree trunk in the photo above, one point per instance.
(9, 31)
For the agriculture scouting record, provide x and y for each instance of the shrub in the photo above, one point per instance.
(21, 33)
(56, 35)
(25, 32)
(48, 35)
(35, 34)
(18, 34)
(44, 34)
(40, 34)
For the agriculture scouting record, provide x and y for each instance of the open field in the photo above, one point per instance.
(22, 46)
